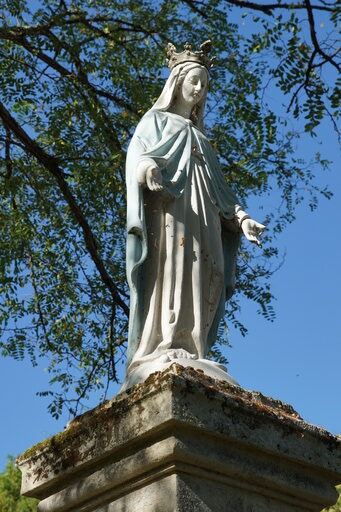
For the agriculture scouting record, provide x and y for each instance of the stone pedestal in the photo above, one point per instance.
(184, 442)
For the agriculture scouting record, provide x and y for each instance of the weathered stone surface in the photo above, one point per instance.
(183, 442)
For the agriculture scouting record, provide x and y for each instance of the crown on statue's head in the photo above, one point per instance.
(201, 56)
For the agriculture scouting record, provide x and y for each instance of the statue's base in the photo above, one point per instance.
(141, 372)
(183, 442)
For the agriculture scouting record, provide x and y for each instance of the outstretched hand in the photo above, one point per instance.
(154, 179)
(252, 230)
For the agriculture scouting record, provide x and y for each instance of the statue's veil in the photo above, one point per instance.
(170, 89)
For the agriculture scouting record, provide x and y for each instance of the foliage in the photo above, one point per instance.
(77, 75)
(10, 499)
(337, 506)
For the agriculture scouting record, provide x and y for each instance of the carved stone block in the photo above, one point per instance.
(184, 442)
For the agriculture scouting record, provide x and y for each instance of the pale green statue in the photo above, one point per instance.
(184, 225)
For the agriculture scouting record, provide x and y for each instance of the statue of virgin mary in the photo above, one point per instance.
(184, 225)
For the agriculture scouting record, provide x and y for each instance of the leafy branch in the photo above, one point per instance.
(51, 164)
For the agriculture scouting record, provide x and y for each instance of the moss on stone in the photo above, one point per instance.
(63, 450)
(50, 442)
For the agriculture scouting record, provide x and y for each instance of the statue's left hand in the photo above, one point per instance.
(252, 230)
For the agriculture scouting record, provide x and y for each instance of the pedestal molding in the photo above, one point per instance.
(172, 433)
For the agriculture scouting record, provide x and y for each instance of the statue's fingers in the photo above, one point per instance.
(155, 186)
(253, 239)
(256, 241)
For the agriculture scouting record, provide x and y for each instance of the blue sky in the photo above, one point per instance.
(295, 359)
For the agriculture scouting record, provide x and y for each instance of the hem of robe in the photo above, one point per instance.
(140, 372)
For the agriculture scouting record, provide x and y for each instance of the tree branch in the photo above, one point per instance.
(268, 8)
(16, 35)
(60, 20)
(52, 165)
(8, 160)
(192, 5)
(315, 42)
(306, 80)
(80, 78)
(36, 294)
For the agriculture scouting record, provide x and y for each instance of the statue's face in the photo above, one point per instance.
(194, 86)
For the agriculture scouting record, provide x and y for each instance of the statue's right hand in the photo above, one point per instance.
(154, 179)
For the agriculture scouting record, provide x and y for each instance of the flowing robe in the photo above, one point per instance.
(180, 257)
